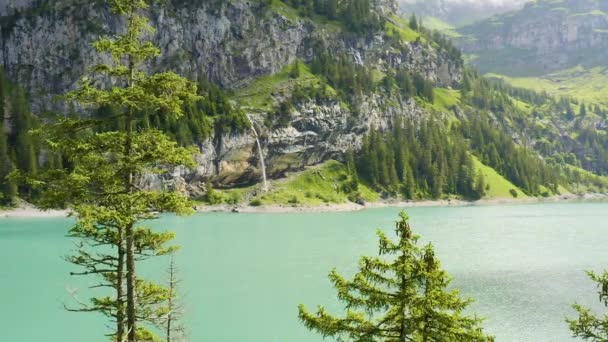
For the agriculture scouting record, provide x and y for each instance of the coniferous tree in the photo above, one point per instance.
(583, 110)
(295, 70)
(26, 157)
(588, 326)
(480, 186)
(400, 296)
(331, 9)
(174, 329)
(413, 22)
(103, 186)
(8, 189)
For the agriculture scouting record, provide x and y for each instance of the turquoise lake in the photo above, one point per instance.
(244, 274)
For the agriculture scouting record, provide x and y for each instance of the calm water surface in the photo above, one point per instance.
(244, 274)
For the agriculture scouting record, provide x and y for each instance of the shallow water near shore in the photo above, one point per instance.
(244, 274)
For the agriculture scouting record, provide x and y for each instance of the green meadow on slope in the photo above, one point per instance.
(497, 185)
(587, 85)
(320, 185)
(437, 24)
(317, 185)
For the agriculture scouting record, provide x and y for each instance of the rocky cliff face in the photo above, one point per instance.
(46, 49)
(542, 37)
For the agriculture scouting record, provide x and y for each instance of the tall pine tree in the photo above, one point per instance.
(401, 297)
(109, 157)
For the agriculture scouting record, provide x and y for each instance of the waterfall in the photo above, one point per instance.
(262, 164)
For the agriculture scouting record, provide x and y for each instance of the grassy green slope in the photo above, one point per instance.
(499, 187)
(318, 185)
(315, 186)
(258, 94)
(398, 25)
(587, 85)
(437, 24)
(444, 99)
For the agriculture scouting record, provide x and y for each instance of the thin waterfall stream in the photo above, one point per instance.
(261, 155)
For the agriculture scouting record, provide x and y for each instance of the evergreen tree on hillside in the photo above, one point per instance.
(22, 122)
(427, 162)
(8, 189)
(413, 22)
(583, 110)
(331, 9)
(400, 296)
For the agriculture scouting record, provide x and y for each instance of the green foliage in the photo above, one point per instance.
(428, 162)
(414, 22)
(480, 185)
(400, 296)
(256, 202)
(281, 117)
(496, 185)
(330, 182)
(403, 32)
(588, 326)
(19, 149)
(538, 117)
(411, 85)
(357, 15)
(340, 72)
(519, 165)
(584, 84)
(436, 24)
(260, 93)
(295, 70)
(109, 156)
(212, 197)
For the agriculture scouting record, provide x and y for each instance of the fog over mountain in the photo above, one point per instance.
(460, 12)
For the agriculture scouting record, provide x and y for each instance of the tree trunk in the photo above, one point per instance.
(131, 278)
(131, 290)
(402, 330)
(120, 299)
(172, 285)
(169, 327)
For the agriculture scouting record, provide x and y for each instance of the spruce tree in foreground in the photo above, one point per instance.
(108, 158)
(588, 326)
(402, 297)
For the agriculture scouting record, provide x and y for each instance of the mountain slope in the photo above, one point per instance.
(543, 37)
(315, 83)
(241, 46)
(589, 86)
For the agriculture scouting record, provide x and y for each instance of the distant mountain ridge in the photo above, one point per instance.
(543, 37)
(460, 12)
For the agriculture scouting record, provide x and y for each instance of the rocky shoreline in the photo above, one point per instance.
(340, 207)
(33, 212)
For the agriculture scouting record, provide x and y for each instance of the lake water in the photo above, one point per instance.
(244, 274)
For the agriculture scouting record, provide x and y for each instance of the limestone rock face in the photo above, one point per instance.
(45, 48)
